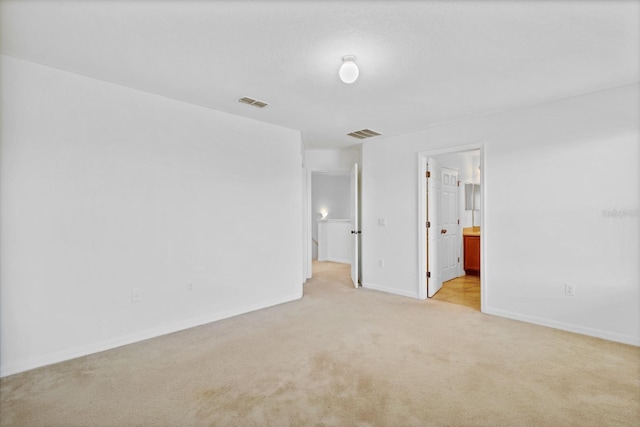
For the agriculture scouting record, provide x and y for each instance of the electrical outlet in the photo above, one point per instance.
(569, 289)
(381, 263)
(382, 222)
(136, 295)
(189, 286)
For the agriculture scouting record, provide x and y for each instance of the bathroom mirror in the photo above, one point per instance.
(471, 196)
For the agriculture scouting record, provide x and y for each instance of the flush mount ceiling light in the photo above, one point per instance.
(349, 70)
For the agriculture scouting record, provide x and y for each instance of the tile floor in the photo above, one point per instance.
(463, 290)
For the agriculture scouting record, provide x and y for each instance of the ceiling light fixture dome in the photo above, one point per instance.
(349, 70)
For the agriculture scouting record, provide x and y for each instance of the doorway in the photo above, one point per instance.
(334, 217)
(447, 221)
(330, 201)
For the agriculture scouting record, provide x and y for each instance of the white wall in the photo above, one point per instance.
(329, 193)
(551, 174)
(105, 189)
(332, 160)
(335, 241)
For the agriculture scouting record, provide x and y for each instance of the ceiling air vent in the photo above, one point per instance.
(254, 102)
(364, 133)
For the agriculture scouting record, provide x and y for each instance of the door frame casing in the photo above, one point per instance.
(307, 224)
(355, 224)
(423, 157)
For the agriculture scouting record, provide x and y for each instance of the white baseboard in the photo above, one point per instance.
(339, 260)
(390, 290)
(611, 336)
(80, 351)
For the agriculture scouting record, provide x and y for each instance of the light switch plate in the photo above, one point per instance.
(569, 289)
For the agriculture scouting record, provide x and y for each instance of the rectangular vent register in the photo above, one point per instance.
(253, 102)
(364, 133)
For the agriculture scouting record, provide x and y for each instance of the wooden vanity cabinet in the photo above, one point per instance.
(472, 255)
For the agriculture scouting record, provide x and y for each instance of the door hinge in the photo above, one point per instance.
(428, 274)
(458, 183)
(428, 174)
(458, 222)
(428, 224)
(458, 259)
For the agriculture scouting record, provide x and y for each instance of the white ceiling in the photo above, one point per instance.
(421, 63)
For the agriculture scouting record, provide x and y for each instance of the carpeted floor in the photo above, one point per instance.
(340, 357)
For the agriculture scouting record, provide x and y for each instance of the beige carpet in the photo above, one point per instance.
(340, 357)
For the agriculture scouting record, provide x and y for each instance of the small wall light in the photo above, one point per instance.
(324, 214)
(349, 70)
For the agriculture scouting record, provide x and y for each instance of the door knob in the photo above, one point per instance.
(443, 231)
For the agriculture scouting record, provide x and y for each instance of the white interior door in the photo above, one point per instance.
(434, 234)
(449, 245)
(355, 231)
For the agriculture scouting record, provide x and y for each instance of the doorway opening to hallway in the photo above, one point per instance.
(335, 218)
